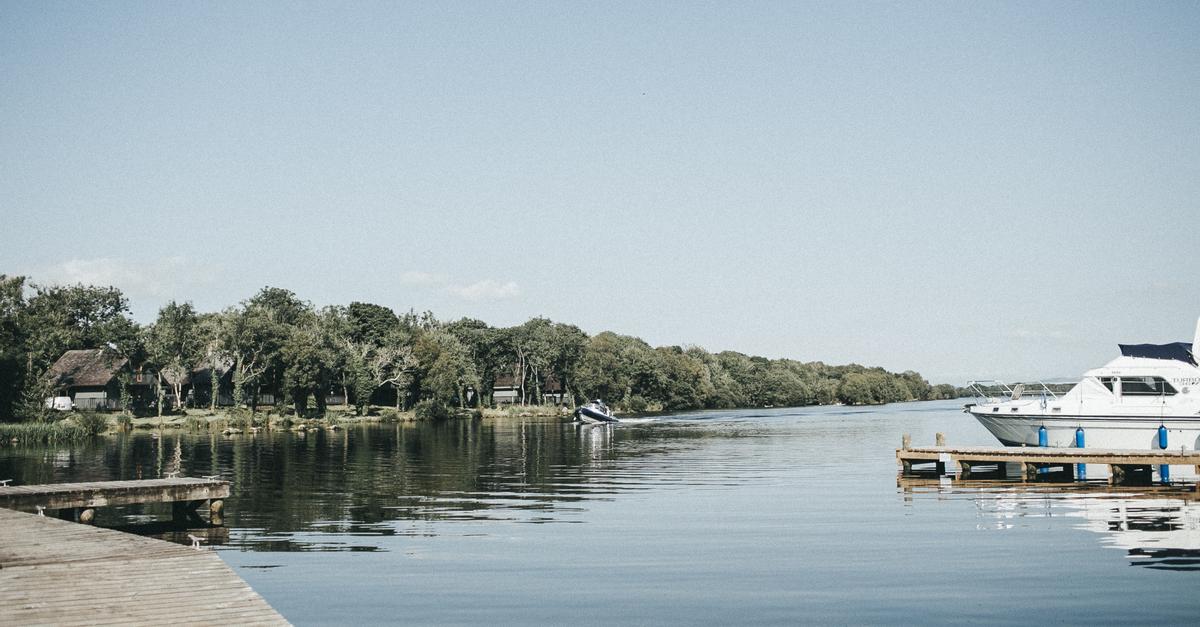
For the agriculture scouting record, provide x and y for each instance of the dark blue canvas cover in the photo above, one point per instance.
(1179, 351)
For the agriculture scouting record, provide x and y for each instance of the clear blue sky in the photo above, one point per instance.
(965, 189)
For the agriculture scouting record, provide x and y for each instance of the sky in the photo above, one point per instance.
(969, 190)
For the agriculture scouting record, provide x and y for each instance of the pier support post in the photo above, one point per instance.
(905, 442)
(940, 439)
(216, 510)
(1029, 472)
(185, 511)
(1139, 474)
(86, 516)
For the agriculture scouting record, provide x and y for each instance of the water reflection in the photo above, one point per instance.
(329, 490)
(792, 515)
(1156, 527)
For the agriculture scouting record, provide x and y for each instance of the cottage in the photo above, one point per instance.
(553, 391)
(200, 390)
(506, 389)
(91, 378)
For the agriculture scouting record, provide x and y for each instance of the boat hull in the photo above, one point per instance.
(589, 415)
(1119, 432)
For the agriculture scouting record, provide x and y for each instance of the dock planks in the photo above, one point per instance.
(1031, 457)
(63, 573)
(109, 493)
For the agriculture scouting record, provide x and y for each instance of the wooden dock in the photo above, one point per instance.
(184, 493)
(63, 573)
(1124, 464)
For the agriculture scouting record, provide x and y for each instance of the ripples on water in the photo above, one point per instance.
(773, 516)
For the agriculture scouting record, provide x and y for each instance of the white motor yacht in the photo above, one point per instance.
(1148, 398)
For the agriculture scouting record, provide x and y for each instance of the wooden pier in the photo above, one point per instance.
(76, 500)
(1125, 465)
(63, 573)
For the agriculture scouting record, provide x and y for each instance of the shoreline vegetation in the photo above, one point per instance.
(276, 360)
(75, 426)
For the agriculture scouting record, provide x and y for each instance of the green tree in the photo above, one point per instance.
(447, 368)
(175, 345)
(616, 367)
(12, 343)
(489, 349)
(394, 364)
(60, 318)
(370, 324)
(309, 357)
(283, 313)
(681, 381)
(252, 340)
(214, 354)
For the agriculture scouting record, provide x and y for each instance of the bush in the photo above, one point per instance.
(389, 415)
(195, 424)
(637, 404)
(92, 422)
(430, 409)
(125, 422)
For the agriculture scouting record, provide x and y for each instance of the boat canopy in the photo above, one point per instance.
(1179, 351)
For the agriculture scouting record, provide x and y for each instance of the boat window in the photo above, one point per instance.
(1146, 386)
(1108, 382)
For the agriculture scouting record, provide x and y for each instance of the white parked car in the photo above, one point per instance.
(60, 403)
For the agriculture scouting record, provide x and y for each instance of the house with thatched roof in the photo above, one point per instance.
(91, 378)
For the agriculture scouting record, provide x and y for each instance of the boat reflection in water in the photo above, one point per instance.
(1158, 528)
(1160, 533)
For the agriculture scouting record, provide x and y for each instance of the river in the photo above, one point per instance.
(771, 516)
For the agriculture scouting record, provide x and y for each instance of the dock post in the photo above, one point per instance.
(1029, 471)
(940, 438)
(1116, 474)
(1080, 469)
(185, 511)
(905, 442)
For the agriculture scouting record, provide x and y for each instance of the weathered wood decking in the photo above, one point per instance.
(1120, 461)
(63, 573)
(108, 493)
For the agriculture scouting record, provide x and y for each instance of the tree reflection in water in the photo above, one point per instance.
(313, 491)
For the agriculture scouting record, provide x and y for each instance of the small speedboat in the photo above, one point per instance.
(595, 412)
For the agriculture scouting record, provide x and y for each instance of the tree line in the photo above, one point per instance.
(278, 344)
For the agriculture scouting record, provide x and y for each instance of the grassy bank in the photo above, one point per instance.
(78, 426)
(73, 428)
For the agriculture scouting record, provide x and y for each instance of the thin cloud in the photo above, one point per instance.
(157, 279)
(486, 289)
(416, 277)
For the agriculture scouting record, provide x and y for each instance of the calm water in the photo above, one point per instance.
(723, 517)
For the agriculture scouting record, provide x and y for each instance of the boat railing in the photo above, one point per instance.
(993, 391)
